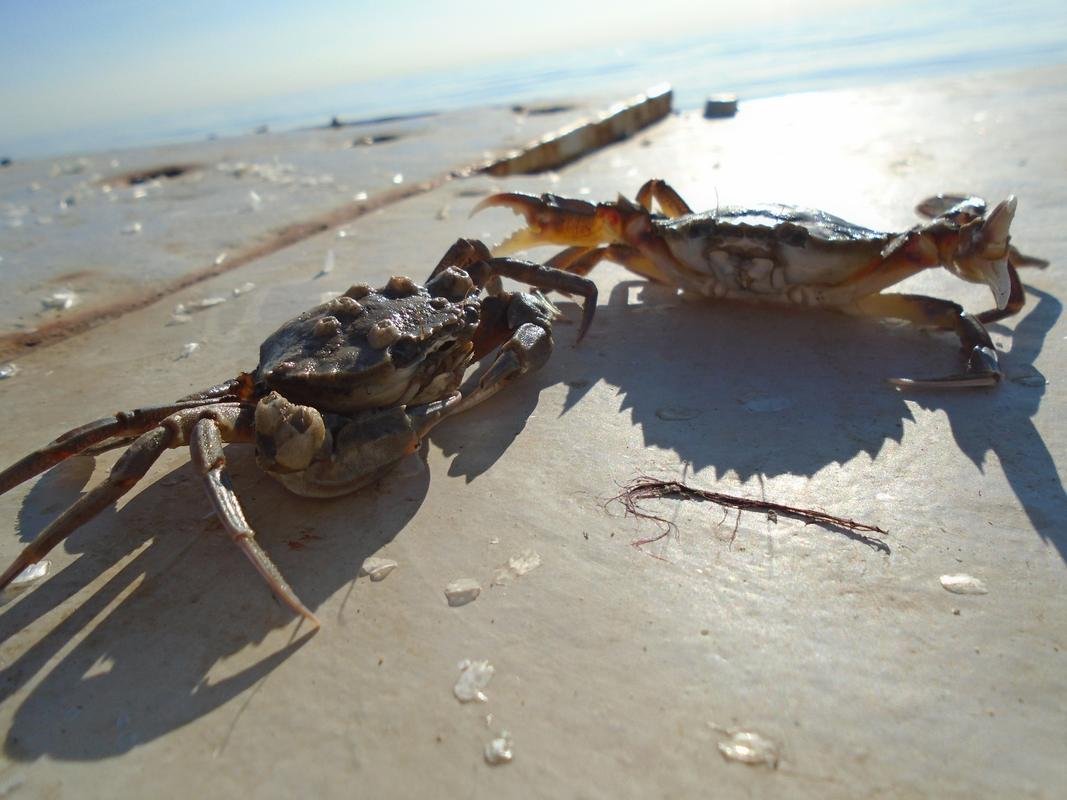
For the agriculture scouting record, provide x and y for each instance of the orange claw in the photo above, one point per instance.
(550, 219)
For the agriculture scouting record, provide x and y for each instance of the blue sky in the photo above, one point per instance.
(73, 64)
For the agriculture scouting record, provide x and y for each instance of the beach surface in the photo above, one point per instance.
(740, 656)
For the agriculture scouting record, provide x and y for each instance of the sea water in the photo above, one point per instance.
(829, 49)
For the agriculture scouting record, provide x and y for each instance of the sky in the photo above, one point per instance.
(80, 63)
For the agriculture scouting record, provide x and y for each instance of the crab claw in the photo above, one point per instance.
(983, 252)
(994, 243)
(550, 219)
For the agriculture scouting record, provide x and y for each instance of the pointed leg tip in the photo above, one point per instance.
(948, 382)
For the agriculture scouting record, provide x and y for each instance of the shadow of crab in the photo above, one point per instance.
(153, 643)
(761, 392)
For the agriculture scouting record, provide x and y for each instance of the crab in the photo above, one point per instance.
(341, 394)
(793, 256)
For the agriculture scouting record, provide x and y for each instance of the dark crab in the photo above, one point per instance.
(341, 394)
(789, 255)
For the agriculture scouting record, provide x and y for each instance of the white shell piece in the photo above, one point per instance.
(198, 305)
(132, 228)
(30, 575)
(963, 584)
(474, 676)
(61, 300)
(24, 580)
(499, 750)
(189, 349)
(524, 562)
(255, 202)
(244, 288)
(9, 370)
(377, 569)
(748, 747)
(462, 591)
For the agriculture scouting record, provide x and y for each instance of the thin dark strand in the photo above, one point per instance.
(645, 488)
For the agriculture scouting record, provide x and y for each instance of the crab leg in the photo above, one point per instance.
(543, 277)
(240, 388)
(129, 469)
(474, 257)
(581, 260)
(124, 424)
(204, 429)
(982, 367)
(663, 193)
(205, 448)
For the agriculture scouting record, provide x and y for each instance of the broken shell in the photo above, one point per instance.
(499, 750)
(963, 584)
(474, 676)
(377, 569)
(748, 747)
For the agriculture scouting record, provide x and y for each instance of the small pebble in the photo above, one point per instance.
(25, 579)
(132, 228)
(198, 305)
(719, 106)
(61, 300)
(474, 676)
(377, 569)
(963, 584)
(9, 370)
(499, 750)
(750, 748)
(462, 591)
(188, 349)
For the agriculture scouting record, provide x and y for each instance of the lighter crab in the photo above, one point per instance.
(790, 255)
(340, 395)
